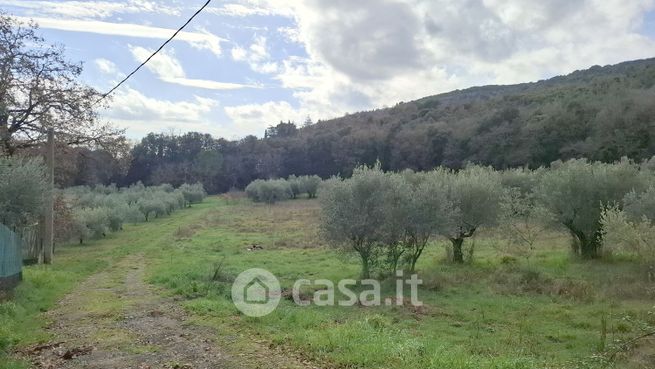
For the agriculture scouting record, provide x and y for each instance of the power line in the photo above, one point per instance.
(154, 53)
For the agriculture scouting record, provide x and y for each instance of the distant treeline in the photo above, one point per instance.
(603, 114)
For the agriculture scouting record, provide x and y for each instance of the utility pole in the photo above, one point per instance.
(48, 228)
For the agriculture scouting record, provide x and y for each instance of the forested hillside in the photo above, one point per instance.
(602, 113)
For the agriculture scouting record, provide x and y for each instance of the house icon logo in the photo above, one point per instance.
(256, 292)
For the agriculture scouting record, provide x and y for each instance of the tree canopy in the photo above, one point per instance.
(40, 89)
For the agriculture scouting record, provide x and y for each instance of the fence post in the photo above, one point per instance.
(48, 237)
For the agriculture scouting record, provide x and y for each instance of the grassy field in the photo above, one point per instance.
(497, 312)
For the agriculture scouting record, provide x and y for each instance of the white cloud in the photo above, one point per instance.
(291, 34)
(164, 64)
(168, 69)
(207, 84)
(141, 114)
(201, 40)
(374, 53)
(106, 66)
(250, 8)
(255, 118)
(256, 55)
(371, 53)
(90, 9)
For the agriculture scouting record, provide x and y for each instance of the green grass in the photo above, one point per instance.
(488, 314)
(21, 322)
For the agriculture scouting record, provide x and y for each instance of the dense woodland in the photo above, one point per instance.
(603, 113)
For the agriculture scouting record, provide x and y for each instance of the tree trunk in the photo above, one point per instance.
(458, 254)
(590, 249)
(416, 254)
(366, 271)
(5, 137)
(583, 246)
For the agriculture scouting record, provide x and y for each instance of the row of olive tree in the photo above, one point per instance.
(96, 211)
(273, 190)
(389, 218)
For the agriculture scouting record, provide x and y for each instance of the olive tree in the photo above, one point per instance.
(353, 214)
(310, 185)
(427, 212)
(151, 206)
(523, 220)
(475, 193)
(193, 193)
(90, 223)
(522, 180)
(296, 185)
(638, 205)
(22, 185)
(269, 191)
(576, 192)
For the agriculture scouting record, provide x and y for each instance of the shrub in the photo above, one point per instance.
(622, 234)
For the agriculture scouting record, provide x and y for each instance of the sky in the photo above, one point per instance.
(243, 65)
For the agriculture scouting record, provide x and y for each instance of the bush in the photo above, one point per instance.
(622, 234)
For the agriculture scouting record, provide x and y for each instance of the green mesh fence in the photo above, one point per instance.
(11, 254)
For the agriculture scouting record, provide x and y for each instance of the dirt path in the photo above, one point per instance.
(114, 320)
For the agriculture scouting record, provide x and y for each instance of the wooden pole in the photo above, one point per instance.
(48, 237)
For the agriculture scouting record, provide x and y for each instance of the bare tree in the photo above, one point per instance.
(39, 89)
